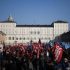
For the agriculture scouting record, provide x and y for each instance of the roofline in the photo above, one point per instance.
(7, 22)
(60, 21)
(34, 26)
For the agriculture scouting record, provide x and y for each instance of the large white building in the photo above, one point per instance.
(25, 33)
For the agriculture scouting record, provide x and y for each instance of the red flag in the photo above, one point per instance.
(58, 52)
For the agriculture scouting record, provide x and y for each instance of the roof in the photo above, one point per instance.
(7, 21)
(34, 26)
(60, 21)
(52, 25)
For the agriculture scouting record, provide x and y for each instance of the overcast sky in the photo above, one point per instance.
(35, 11)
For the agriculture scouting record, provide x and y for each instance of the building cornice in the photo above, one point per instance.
(34, 26)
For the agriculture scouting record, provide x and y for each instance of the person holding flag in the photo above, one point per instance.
(57, 51)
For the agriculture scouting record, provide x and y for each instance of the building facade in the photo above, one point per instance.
(26, 33)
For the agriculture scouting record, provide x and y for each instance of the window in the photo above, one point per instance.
(38, 32)
(16, 38)
(24, 38)
(12, 38)
(20, 38)
(35, 32)
(9, 38)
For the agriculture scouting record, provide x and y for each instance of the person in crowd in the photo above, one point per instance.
(34, 61)
(36, 56)
(42, 61)
(25, 62)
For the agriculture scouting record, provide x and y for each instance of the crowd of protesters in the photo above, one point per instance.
(35, 56)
